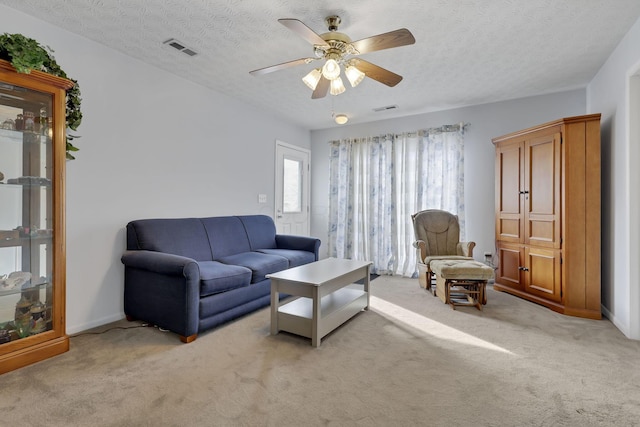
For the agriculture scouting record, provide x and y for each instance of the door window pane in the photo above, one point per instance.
(292, 186)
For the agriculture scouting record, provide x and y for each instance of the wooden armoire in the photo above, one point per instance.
(548, 215)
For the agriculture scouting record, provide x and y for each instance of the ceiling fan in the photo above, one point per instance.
(338, 50)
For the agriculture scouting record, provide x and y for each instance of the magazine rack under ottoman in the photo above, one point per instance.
(461, 282)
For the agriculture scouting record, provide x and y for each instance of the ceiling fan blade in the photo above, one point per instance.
(401, 37)
(377, 73)
(303, 31)
(321, 89)
(282, 66)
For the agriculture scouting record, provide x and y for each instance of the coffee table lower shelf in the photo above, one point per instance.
(335, 309)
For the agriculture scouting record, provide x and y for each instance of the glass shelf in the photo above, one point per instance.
(16, 185)
(42, 284)
(26, 240)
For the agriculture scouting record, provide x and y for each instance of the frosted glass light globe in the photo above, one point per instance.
(331, 69)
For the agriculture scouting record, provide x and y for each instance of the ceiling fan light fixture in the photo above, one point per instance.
(341, 119)
(312, 79)
(335, 48)
(337, 87)
(354, 75)
(331, 69)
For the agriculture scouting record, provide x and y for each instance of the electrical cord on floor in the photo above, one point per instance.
(142, 325)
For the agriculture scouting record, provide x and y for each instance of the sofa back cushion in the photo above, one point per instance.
(227, 236)
(178, 236)
(261, 231)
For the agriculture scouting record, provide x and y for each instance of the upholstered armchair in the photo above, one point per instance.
(437, 237)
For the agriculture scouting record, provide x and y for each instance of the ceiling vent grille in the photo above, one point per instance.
(388, 107)
(176, 44)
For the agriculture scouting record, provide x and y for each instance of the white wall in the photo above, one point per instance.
(608, 94)
(486, 121)
(156, 145)
(153, 145)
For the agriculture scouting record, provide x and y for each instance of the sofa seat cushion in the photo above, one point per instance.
(216, 277)
(295, 257)
(260, 264)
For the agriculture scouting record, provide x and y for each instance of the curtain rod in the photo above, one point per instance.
(447, 128)
(462, 126)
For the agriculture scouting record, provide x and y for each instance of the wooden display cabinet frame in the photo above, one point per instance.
(18, 353)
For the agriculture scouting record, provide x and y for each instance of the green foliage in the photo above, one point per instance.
(26, 54)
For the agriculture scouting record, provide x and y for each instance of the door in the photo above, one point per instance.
(292, 189)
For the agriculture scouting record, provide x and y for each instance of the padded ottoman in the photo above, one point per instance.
(461, 282)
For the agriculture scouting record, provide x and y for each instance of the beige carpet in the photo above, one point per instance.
(408, 361)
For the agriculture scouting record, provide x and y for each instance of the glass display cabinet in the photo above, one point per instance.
(32, 233)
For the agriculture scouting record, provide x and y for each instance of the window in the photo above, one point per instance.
(292, 186)
(377, 183)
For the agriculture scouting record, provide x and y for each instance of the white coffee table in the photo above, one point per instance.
(325, 303)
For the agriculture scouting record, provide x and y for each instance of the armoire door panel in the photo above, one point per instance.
(542, 191)
(543, 275)
(542, 231)
(510, 182)
(541, 180)
(509, 190)
(509, 266)
(510, 229)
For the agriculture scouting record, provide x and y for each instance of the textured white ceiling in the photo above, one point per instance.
(466, 52)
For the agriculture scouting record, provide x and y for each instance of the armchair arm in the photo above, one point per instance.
(300, 243)
(421, 247)
(466, 248)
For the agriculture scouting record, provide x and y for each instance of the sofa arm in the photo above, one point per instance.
(466, 248)
(300, 243)
(162, 263)
(164, 290)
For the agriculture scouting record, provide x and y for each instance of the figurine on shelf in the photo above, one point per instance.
(4, 336)
(23, 320)
(42, 122)
(29, 123)
(38, 317)
(24, 231)
(9, 125)
(19, 122)
(14, 280)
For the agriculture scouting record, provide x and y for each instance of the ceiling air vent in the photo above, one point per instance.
(180, 46)
(388, 107)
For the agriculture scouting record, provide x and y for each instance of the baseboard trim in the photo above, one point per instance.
(71, 330)
(622, 327)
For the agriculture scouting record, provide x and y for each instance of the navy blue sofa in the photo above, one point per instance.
(188, 275)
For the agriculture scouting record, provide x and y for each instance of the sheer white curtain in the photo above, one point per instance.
(377, 183)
